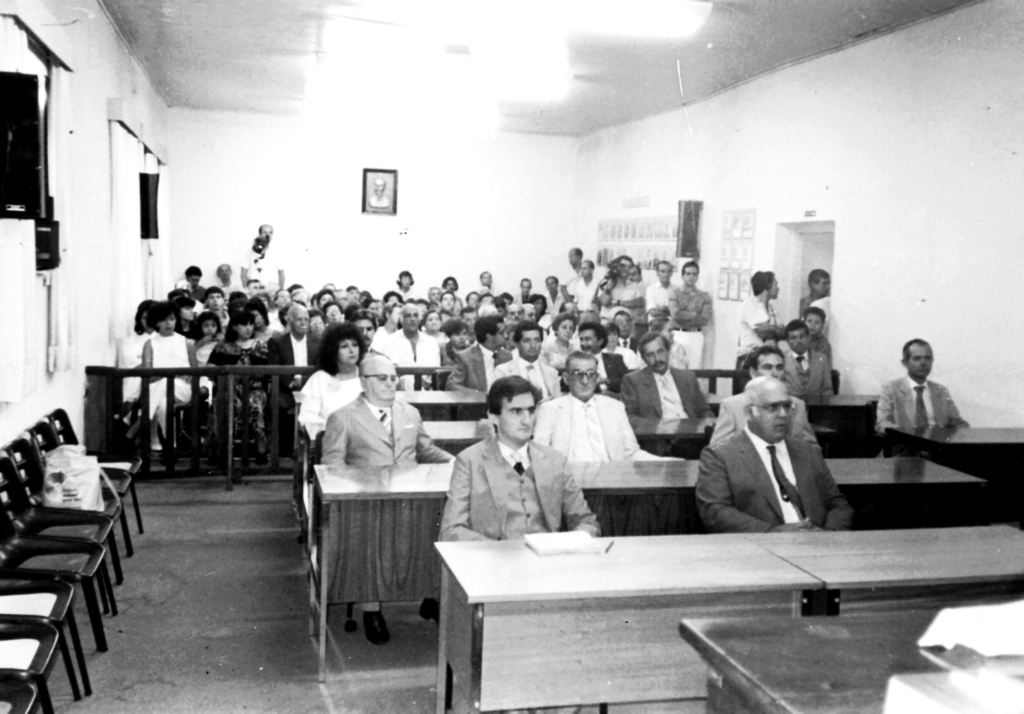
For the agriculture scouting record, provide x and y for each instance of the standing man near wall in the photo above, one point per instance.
(257, 266)
(691, 315)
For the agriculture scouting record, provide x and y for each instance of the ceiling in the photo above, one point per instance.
(258, 55)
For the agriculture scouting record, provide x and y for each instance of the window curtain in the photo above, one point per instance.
(17, 252)
(156, 251)
(126, 163)
(60, 354)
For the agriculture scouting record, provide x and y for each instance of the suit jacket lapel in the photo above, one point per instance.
(479, 371)
(938, 406)
(373, 425)
(805, 483)
(650, 394)
(763, 478)
(544, 477)
(906, 404)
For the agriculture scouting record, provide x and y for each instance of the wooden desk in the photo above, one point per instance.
(519, 630)
(780, 666)
(454, 436)
(676, 437)
(994, 454)
(852, 416)
(447, 406)
(895, 570)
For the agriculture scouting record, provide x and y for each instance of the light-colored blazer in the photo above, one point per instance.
(547, 372)
(898, 405)
(554, 428)
(819, 382)
(732, 417)
(469, 372)
(735, 493)
(478, 492)
(354, 437)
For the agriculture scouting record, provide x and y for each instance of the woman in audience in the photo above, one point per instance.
(185, 315)
(451, 285)
(366, 321)
(614, 348)
(261, 325)
(129, 351)
(165, 348)
(282, 298)
(323, 297)
(540, 305)
(473, 300)
(559, 344)
(334, 314)
(457, 334)
(209, 335)
(241, 348)
(317, 323)
(431, 325)
(405, 283)
(336, 383)
(449, 303)
(393, 298)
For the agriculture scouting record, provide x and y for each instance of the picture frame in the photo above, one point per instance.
(380, 191)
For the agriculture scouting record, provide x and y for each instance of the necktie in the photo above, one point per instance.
(800, 362)
(623, 343)
(518, 468)
(787, 489)
(385, 419)
(920, 412)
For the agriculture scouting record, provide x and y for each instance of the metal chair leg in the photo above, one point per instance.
(135, 503)
(128, 550)
(107, 583)
(115, 557)
(76, 642)
(65, 654)
(95, 618)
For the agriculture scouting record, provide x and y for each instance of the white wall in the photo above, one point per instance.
(912, 143)
(102, 70)
(465, 204)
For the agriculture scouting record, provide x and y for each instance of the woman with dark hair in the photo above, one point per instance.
(165, 348)
(317, 323)
(129, 350)
(457, 333)
(336, 383)
(559, 344)
(186, 307)
(393, 297)
(323, 297)
(209, 335)
(405, 283)
(240, 347)
(261, 325)
(540, 304)
(334, 313)
(431, 325)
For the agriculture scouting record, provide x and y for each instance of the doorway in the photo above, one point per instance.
(799, 249)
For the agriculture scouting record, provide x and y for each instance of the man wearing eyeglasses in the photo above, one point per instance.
(585, 425)
(759, 480)
(508, 486)
(377, 430)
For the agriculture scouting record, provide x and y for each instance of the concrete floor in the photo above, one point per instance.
(214, 618)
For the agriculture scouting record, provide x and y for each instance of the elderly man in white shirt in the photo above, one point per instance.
(408, 346)
(585, 425)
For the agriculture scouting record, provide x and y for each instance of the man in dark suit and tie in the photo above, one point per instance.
(474, 366)
(758, 480)
(294, 347)
(377, 430)
(612, 368)
(661, 392)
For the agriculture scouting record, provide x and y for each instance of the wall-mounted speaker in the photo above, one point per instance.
(21, 163)
(47, 244)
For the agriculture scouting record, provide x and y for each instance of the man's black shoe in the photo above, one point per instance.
(376, 628)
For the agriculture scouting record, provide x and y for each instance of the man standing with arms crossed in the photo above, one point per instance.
(691, 315)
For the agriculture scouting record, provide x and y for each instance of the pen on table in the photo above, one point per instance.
(609, 547)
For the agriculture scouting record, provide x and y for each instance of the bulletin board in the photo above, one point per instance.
(737, 259)
(646, 240)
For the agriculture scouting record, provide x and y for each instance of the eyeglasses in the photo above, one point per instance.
(393, 378)
(589, 375)
(776, 407)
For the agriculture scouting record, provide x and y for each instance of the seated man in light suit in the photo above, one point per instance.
(508, 486)
(474, 366)
(914, 402)
(377, 430)
(808, 374)
(660, 392)
(529, 337)
(765, 361)
(584, 425)
(758, 480)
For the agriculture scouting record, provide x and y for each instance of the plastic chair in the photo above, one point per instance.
(38, 669)
(21, 697)
(29, 459)
(25, 600)
(73, 561)
(123, 479)
(30, 519)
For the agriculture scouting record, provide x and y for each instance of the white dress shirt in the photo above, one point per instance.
(586, 442)
(531, 372)
(657, 296)
(515, 456)
(300, 350)
(671, 404)
(789, 513)
(584, 294)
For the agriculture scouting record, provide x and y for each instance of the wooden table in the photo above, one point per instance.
(852, 416)
(994, 454)
(895, 570)
(454, 436)
(447, 406)
(676, 437)
(519, 630)
(808, 666)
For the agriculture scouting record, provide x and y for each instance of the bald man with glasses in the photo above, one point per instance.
(377, 430)
(759, 480)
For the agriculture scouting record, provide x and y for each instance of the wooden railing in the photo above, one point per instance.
(105, 410)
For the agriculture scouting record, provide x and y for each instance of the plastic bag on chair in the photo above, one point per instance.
(73, 480)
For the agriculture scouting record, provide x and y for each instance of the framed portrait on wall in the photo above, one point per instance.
(380, 191)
